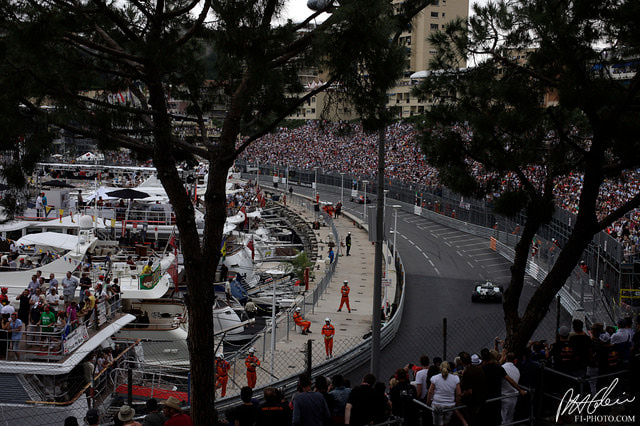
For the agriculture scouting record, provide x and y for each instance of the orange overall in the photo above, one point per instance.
(297, 318)
(328, 331)
(222, 377)
(251, 362)
(345, 297)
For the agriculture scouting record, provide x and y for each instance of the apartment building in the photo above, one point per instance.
(419, 54)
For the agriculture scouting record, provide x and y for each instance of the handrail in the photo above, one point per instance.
(97, 376)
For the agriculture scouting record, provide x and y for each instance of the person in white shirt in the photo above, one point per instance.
(421, 378)
(509, 404)
(444, 392)
(53, 299)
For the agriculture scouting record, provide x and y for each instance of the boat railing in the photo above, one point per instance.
(102, 383)
(54, 346)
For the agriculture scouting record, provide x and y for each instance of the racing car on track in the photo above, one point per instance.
(487, 292)
(360, 199)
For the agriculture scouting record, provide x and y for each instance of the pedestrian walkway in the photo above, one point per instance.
(288, 358)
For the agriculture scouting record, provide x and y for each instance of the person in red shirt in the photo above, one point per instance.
(345, 296)
(251, 362)
(222, 374)
(173, 412)
(299, 320)
(328, 331)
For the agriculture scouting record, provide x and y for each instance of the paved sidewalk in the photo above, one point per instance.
(358, 269)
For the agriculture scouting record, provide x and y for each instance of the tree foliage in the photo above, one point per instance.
(541, 104)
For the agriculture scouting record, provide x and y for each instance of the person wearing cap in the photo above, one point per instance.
(347, 242)
(299, 320)
(126, 415)
(4, 297)
(173, 412)
(472, 386)
(222, 374)
(251, 362)
(92, 417)
(344, 299)
(328, 332)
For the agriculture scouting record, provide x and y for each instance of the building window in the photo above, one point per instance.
(434, 14)
(434, 27)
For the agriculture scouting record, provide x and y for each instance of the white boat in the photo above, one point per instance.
(66, 253)
(55, 382)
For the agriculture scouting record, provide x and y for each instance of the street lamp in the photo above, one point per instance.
(364, 213)
(315, 183)
(342, 187)
(395, 230)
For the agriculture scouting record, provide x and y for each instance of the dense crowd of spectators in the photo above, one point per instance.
(339, 147)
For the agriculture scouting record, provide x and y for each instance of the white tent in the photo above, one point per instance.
(90, 156)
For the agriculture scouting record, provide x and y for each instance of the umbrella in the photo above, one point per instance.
(127, 193)
(55, 183)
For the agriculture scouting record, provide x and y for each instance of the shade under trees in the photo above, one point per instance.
(542, 103)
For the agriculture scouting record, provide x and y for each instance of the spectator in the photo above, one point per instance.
(246, 413)
(273, 412)
(444, 393)
(509, 404)
(581, 345)
(322, 387)
(155, 417)
(422, 386)
(402, 396)
(358, 409)
(340, 395)
(92, 417)
(472, 385)
(126, 415)
(173, 412)
(309, 408)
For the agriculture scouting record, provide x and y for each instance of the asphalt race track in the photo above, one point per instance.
(442, 265)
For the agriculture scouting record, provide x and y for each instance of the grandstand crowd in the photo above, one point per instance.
(339, 147)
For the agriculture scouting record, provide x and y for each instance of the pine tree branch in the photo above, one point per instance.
(196, 27)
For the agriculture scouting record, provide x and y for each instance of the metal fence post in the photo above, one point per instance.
(129, 386)
(309, 357)
(444, 338)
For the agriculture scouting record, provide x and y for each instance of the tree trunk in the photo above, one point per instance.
(518, 269)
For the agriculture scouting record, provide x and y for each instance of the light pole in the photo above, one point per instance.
(395, 231)
(315, 184)
(341, 187)
(386, 191)
(257, 174)
(364, 203)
